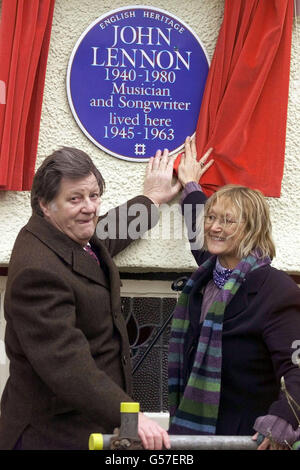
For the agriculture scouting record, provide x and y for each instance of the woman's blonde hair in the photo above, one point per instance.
(251, 209)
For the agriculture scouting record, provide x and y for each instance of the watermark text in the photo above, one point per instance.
(134, 221)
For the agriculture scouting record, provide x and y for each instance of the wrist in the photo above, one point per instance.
(153, 199)
(187, 181)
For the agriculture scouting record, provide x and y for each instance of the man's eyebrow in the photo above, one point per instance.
(74, 193)
(80, 192)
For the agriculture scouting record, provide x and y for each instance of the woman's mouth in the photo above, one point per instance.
(217, 239)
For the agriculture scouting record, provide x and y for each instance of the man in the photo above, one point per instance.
(65, 336)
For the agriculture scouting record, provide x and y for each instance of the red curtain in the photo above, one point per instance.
(24, 42)
(244, 108)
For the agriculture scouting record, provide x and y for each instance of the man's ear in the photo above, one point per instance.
(44, 207)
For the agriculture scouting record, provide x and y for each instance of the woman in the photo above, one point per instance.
(235, 323)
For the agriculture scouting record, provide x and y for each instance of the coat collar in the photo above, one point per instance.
(251, 285)
(71, 252)
(256, 278)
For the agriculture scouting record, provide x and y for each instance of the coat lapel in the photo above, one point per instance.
(73, 254)
(86, 266)
(111, 271)
(250, 287)
(238, 304)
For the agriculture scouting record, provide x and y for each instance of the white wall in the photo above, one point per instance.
(124, 179)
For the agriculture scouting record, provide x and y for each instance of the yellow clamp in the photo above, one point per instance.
(129, 407)
(96, 442)
(96, 439)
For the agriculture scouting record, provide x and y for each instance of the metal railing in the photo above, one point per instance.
(126, 437)
(198, 442)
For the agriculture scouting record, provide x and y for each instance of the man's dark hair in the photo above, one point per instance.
(67, 162)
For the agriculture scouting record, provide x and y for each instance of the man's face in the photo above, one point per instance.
(74, 210)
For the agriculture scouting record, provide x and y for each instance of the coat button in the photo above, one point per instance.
(124, 359)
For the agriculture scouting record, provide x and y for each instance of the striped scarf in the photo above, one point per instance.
(194, 407)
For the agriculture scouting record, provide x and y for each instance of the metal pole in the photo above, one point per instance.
(202, 442)
(177, 286)
(150, 346)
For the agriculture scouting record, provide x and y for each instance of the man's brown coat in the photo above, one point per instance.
(66, 340)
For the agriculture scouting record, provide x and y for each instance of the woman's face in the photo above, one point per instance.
(223, 232)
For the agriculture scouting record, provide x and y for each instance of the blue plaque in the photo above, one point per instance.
(135, 82)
